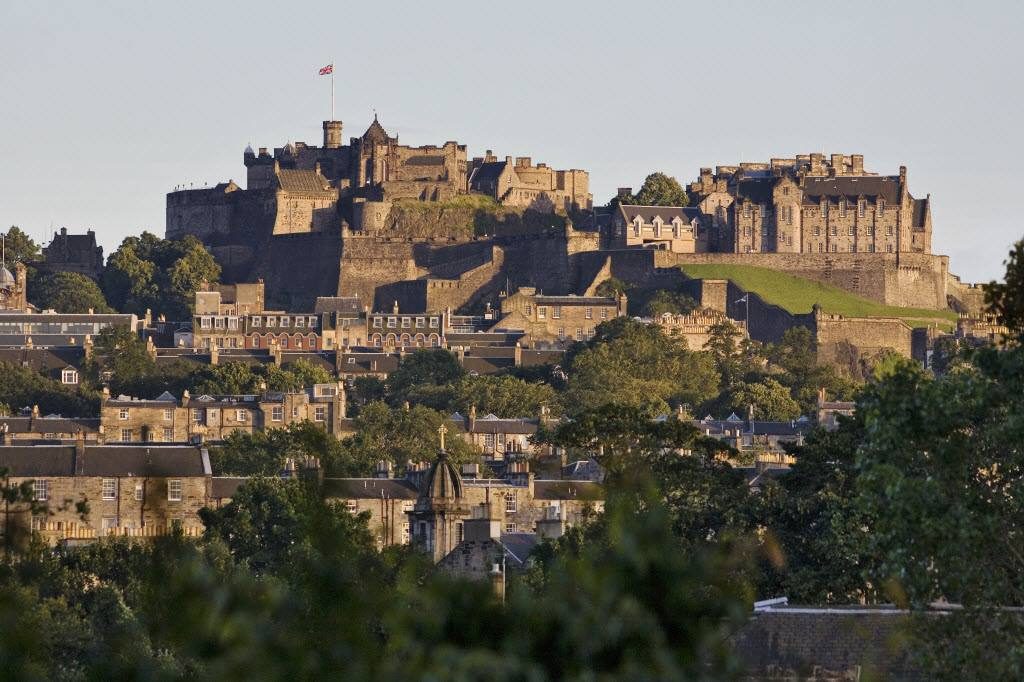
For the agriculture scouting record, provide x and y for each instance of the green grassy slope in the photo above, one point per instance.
(798, 295)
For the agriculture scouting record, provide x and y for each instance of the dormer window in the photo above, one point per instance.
(861, 208)
(638, 225)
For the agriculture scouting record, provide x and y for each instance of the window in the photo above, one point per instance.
(69, 376)
(320, 413)
(241, 416)
(197, 415)
(257, 321)
(746, 210)
(312, 322)
(421, 322)
(168, 434)
(511, 528)
(604, 313)
(561, 333)
(168, 414)
(126, 435)
(204, 323)
(851, 231)
(579, 333)
(556, 312)
(108, 525)
(300, 322)
(284, 341)
(378, 322)
(295, 412)
(392, 322)
(589, 313)
(122, 414)
(824, 210)
(817, 231)
(542, 312)
(271, 321)
(853, 248)
(232, 323)
(528, 309)
(109, 489)
(746, 231)
(821, 247)
(218, 323)
(406, 322)
(433, 323)
(139, 492)
(40, 490)
(405, 534)
(834, 230)
(888, 248)
(489, 442)
(880, 206)
(510, 503)
(352, 361)
(286, 321)
(277, 412)
(835, 248)
(174, 490)
(459, 532)
(888, 230)
(842, 208)
(861, 208)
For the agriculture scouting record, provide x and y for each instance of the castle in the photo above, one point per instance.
(428, 229)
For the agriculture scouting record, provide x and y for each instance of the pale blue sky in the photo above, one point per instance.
(103, 110)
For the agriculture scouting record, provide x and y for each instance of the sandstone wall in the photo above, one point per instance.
(868, 335)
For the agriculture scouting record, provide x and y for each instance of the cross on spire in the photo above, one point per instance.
(441, 430)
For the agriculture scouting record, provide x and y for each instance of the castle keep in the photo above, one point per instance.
(810, 204)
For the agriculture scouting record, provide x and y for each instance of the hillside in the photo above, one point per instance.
(798, 295)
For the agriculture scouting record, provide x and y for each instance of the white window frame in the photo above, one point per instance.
(123, 414)
(242, 416)
(69, 376)
(320, 413)
(175, 490)
(277, 413)
(41, 490)
(511, 503)
(108, 489)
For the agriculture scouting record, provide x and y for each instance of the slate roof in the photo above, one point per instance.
(493, 424)
(42, 359)
(757, 190)
(872, 186)
(104, 460)
(346, 305)
(485, 176)
(48, 424)
(370, 489)
(302, 181)
(225, 487)
(519, 545)
(375, 133)
(574, 300)
(649, 213)
(568, 490)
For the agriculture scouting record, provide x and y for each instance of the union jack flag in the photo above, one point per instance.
(329, 69)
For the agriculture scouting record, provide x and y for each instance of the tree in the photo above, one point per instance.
(505, 396)
(426, 377)
(119, 354)
(402, 435)
(661, 190)
(1005, 299)
(263, 453)
(631, 363)
(612, 288)
(24, 387)
(770, 399)
(67, 292)
(665, 301)
(161, 275)
(19, 247)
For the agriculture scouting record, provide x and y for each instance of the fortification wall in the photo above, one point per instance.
(868, 335)
(965, 298)
(202, 213)
(298, 268)
(907, 279)
(369, 262)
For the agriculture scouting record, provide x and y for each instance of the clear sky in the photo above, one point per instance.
(103, 109)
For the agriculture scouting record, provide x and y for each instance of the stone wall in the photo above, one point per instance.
(868, 335)
(906, 279)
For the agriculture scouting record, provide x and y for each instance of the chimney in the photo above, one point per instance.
(384, 469)
(472, 418)
(87, 346)
(837, 163)
(394, 308)
(79, 448)
(857, 164)
(498, 582)
(214, 354)
(185, 398)
(150, 347)
(3, 434)
(35, 412)
(484, 523)
(517, 355)
(552, 526)
(275, 350)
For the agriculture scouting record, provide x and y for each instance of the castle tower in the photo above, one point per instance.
(332, 134)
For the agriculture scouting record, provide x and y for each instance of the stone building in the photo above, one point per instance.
(695, 327)
(523, 185)
(13, 286)
(73, 253)
(167, 419)
(300, 188)
(33, 427)
(673, 228)
(129, 490)
(502, 439)
(54, 330)
(810, 204)
(556, 320)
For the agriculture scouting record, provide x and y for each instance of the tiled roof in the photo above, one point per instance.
(50, 424)
(485, 177)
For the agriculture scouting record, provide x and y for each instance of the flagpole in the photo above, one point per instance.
(332, 88)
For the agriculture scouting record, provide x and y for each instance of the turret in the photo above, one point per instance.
(332, 134)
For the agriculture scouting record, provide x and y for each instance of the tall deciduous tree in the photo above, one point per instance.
(67, 292)
(19, 247)
(661, 190)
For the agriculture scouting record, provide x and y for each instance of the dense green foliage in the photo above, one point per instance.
(161, 275)
(23, 387)
(19, 247)
(66, 292)
(661, 190)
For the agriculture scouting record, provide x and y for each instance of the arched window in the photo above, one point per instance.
(435, 341)
(390, 340)
(255, 340)
(406, 340)
(311, 341)
(377, 340)
(420, 340)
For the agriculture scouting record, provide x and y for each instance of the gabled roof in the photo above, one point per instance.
(302, 181)
(375, 133)
(485, 176)
(349, 305)
(649, 213)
